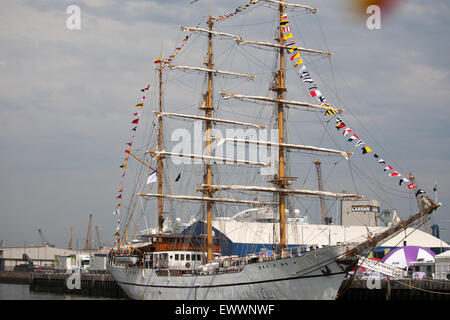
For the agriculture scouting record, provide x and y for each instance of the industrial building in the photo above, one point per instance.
(40, 256)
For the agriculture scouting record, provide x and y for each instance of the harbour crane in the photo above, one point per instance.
(70, 241)
(87, 245)
(43, 239)
(97, 234)
(323, 209)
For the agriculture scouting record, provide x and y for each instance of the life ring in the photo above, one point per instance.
(187, 265)
(263, 255)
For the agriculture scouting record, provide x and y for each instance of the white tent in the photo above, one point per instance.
(402, 257)
(442, 266)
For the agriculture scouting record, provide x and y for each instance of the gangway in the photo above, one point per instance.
(383, 268)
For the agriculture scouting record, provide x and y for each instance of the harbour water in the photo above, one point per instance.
(22, 292)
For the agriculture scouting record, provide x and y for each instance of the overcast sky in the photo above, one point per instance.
(63, 92)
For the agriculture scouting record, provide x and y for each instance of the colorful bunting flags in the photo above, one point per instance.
(146, 88)
(286, 29)
(366, 150)
(340, 125)
(176, 51)
(236, 11)
(305, 76)
(128, 151)
(346, 132)
(287, 36)
(353, 137)
(420, 191)
(296, 55)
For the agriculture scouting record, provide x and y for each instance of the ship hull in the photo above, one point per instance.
(316, 275)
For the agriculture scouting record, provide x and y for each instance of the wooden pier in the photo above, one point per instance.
(403, 289)
(91, 285)
(17, 277)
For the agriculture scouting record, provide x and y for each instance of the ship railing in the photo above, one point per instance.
(296, 251)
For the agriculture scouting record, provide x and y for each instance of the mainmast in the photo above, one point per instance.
(280, 180)
(208, 107)
(160, 159)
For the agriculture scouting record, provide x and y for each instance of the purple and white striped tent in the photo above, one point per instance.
(402, 257)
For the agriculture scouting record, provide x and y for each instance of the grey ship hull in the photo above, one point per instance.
(314, 276)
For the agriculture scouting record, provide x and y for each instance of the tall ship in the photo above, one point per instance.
(255, 175)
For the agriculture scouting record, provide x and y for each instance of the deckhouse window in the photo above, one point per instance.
(188, 257)
(177, 257)
(181, 256)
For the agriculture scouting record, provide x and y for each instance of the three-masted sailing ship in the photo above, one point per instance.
(185, 266)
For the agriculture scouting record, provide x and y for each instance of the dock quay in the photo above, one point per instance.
(91, 285)
(17, 277)
(394, 289)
